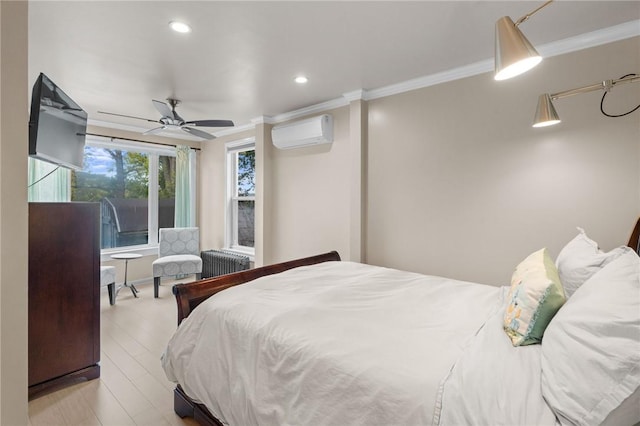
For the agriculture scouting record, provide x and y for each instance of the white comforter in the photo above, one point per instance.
(494, 383)
(337, 343)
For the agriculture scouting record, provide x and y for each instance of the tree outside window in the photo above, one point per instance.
(246, 187)
(241, 167)
(119, 180)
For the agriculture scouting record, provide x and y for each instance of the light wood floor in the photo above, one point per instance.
(132, 388)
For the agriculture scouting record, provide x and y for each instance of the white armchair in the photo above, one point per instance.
(178, 254)
(108, 279)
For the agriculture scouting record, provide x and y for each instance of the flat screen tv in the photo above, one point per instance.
(57, 126)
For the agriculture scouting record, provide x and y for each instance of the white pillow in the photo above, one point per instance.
(591, 348)
(580, 259)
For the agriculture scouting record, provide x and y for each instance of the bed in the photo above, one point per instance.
(319, 341)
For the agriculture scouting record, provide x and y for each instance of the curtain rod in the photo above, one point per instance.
(137, 140)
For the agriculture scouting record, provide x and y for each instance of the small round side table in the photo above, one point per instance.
(127, 257)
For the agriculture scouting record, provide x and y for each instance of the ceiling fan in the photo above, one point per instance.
(172, 121)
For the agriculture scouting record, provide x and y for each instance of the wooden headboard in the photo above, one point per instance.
(190, 295)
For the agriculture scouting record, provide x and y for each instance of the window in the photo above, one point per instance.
(241, 168)
(135, 186)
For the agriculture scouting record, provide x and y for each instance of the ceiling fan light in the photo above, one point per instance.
(514, 54)
(546, 114)
(180, 27)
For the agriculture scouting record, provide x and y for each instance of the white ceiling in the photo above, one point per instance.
(240, 60)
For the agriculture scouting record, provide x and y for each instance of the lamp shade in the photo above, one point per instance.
(546, 114)
(514, 54)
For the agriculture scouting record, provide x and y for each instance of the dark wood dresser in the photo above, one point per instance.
(64, 294)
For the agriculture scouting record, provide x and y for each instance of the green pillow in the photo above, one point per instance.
(535, 296)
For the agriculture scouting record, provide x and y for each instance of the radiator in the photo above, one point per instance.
(218, 262)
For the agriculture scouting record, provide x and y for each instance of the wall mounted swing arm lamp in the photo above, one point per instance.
(514, 54)
(546, 114)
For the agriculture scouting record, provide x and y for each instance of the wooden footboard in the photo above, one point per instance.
(190, 295)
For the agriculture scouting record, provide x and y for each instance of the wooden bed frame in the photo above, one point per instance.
(190, 295)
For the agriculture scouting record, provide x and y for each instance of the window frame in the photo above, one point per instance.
(153, 152)
(232, 197)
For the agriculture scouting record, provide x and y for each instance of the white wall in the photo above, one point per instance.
(303, 194)
(13, 212)
(211, 194)
(460, 185)
(454, 180)
(311, 188)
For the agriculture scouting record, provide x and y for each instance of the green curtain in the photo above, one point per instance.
(48, 182)
(185, 213)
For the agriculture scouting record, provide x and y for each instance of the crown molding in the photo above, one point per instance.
(433, 79)
(235, 129)
(263, 119)
(321, 107)
(317, 108)
(560, 47)
(592, 39)
(356, 95)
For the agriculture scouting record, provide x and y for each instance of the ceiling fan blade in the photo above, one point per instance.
(177, 117)
(128, 116)
(163, 108)
(210, 123)
(198, 133)
(154, 131)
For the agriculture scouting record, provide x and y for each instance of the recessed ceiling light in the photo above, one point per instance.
(301, 79)
(179, 27)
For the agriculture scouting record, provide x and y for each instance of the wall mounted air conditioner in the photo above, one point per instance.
(311, 131)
